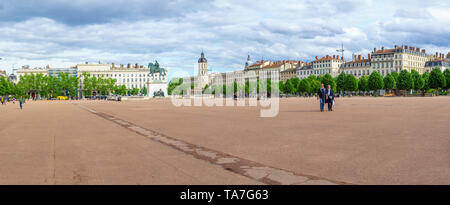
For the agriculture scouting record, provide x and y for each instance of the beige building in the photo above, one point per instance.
(287, 74)
(358, 67)
(399, 58)
(287, 68)
(328, 64)
(132, 76)
(439, 61)
(3, 73)
(304, 71)
(25, 70)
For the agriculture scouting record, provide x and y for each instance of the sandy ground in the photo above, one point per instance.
(364, 141)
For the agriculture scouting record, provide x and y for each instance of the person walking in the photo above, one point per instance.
(321, 96)
(330, 98)
(21, 100)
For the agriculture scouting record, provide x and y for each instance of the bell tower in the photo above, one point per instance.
(202, 78)
(202, 65)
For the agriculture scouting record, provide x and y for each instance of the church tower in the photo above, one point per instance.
(249, 62)
(202, 65)
(202, 71)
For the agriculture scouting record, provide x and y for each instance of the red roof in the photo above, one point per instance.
(385, 51)
(358, 61)
(327, 57)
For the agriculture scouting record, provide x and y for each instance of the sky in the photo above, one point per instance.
(63, 33)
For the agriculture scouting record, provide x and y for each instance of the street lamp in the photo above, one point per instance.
(343, 76)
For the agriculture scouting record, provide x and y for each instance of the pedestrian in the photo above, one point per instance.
(14, 100)
(330, 98)
(321, 96)
(21, 100)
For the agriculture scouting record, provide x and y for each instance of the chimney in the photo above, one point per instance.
(382, 48)
(136, 66)
(436, 55)
(121, 66)
(113, 65)
(368, 56)
(128, 65)
(342, 58)
(359, 57)
(417, 49)
(406, 46)
(317, 58)
(86, 62)
(334, 56)
(448, 55)
(374, 50)
(337, 57)
(411, 48)
(423, 50)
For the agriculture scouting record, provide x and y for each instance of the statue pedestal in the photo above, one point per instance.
(155, 88)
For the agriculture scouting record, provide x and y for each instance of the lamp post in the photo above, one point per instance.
(343, 76)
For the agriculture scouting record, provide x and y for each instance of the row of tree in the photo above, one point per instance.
(401, 81)
(38, 85)
(436, 79)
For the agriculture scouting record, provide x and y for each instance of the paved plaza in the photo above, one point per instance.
(397, 140)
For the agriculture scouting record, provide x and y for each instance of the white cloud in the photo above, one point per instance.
(226, 29)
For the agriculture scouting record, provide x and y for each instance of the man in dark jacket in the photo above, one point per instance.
(330, 98)
(321, 96)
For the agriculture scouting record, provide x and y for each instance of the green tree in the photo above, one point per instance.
(363, 83)
(417, 80)
(280, 86)
(289, 87)
(134, 91)
(447, 78)
(395, 75)
(327, 79)
(304, 86)
(143, 90)
(437, 79)
(389, 82)
(351, 83)
(375, 81)
(426, 80)
(340, 81)
(175, 82)
(295, 82)
(314, 83)
(405, 80)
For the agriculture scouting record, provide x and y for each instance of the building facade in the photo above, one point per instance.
(287, 74)
(26, 70)
(152, 77)
(359, 66)
(3, 73)
(440, 62)
(304, 71)
(328, 64)
(399, 58)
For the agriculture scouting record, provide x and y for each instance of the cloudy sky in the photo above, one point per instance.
(62, 33)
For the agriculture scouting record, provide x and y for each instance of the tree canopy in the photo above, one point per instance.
(375, 81)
